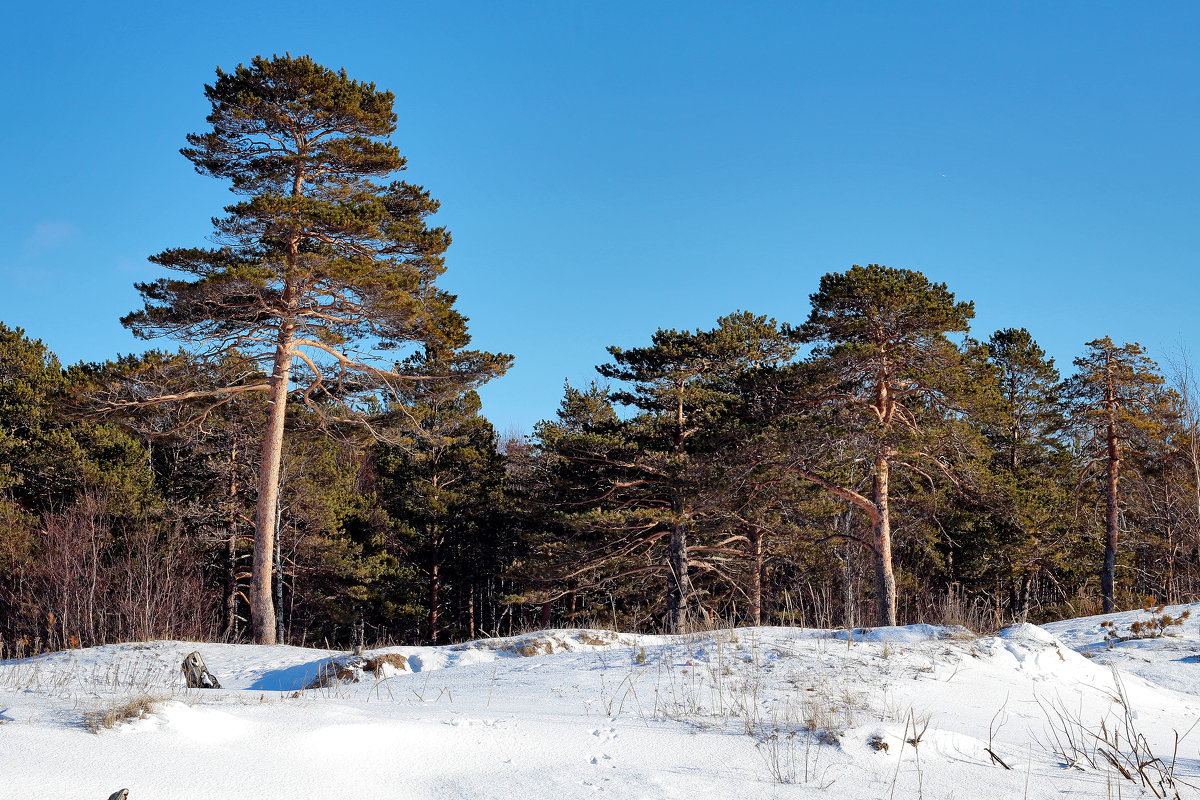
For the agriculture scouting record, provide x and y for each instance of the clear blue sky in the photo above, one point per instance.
(611, 168)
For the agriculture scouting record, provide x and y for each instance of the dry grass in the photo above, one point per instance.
(954, 610)
(119, 711)
(598, 638)
(528, 648)
(336, 672)
(374, 664)
(1113, 741)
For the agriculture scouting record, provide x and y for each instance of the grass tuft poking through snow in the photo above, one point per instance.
(117, 712)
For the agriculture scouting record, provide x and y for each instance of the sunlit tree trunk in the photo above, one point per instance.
(885, 576)
(262, 607)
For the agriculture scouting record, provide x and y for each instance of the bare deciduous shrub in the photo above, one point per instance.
(92, 580)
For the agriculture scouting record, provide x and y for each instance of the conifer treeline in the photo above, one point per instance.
(874, 463)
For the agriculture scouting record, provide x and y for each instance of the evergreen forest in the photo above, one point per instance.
(302, 457)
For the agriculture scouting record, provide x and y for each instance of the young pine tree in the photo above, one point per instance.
(652, 479)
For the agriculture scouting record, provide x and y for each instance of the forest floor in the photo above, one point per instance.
(908, 712)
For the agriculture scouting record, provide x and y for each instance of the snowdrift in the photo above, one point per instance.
(905, 712)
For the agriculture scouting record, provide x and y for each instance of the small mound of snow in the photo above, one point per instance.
(387, 669)
(544, 643)
(430, 658)
(202, 724)
(958, 746)
(469, 657)
(898, 633)
(359, 667)
(1027, 632)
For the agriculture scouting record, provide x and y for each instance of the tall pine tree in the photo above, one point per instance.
(1118, 403)
(320, 271)
(883, 375)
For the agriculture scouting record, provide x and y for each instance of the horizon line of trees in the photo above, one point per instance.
(873, 465)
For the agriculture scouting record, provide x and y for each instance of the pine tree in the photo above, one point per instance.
(651, 480)
(564, 463)
(48, 451)
(442, 480)
(1118, 407)
(31, 386)
(882, 378)
(1029, 507)
(320, 271)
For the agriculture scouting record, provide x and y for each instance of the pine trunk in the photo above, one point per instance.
(679, 587)
(231, 552)
(756, 578)
(278, 587)
(435, 586)
(885, 577)
(471, 612)
(1111, 519)
(262, 607)
(1021, 610)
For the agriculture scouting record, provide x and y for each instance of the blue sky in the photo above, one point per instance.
(611, 168)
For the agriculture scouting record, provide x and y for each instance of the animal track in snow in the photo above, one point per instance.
(605, 734)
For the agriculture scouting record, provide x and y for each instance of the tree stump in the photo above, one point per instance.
(197, 675)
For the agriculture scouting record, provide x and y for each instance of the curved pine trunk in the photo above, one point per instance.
(262, 606)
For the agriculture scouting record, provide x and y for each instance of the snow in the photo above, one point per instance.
(747, 713)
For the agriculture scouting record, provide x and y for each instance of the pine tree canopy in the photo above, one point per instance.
(326, 256)
(1120, 385)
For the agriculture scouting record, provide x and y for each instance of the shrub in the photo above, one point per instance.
(1159, 625)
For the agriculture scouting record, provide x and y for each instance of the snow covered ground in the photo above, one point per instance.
(748, 713)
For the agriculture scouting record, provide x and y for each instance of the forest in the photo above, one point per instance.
(304, 459)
